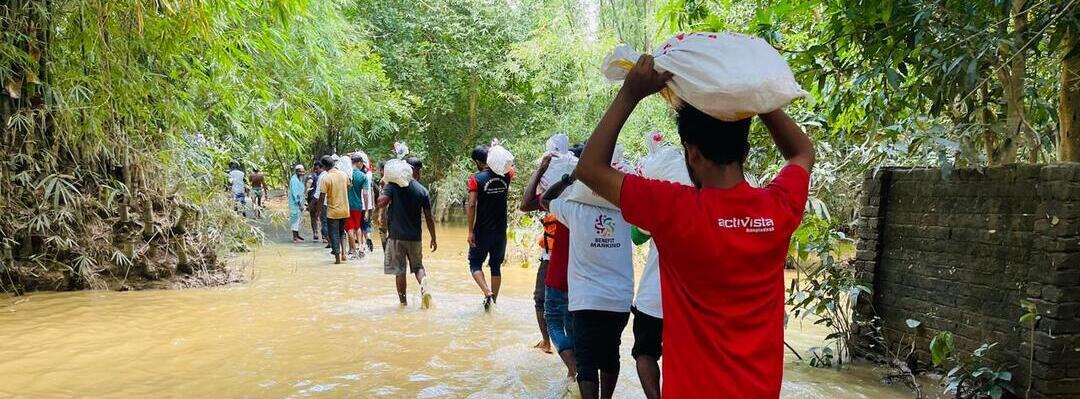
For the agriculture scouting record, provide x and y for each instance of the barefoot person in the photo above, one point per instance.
(296, 201)
(722, 249)
(601, 287)
(404, 244)
(530, 201)
(334, 186)
(557, 319)
(486, 215)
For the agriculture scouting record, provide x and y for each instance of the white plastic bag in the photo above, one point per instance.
(583, 194)
(400, 150)
(726, 75)
(397, 171)
(499, 159)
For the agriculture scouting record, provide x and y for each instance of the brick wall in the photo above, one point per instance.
(959, 253)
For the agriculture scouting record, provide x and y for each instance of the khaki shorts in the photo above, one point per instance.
(398, 252)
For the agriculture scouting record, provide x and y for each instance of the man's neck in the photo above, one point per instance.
(722, 176)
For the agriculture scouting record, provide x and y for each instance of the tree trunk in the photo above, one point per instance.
(1069, 105)
(1013, 82)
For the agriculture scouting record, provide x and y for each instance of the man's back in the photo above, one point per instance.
(335, 184)
(600, 267)
(406, 205)
(722, 254)
(491, 190)
(236, 180)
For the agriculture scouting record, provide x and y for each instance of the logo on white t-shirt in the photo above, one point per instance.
(605, 232)
(748, 224)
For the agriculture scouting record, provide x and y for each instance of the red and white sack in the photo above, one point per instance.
(499, 159)
(663, 162)
(579, 192)
(726, 75)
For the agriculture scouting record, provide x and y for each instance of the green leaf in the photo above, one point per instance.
(941, 346)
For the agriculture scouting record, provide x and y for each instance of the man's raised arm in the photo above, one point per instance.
(594, 169)
(792, 142)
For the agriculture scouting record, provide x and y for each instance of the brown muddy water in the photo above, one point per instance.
(303, 327)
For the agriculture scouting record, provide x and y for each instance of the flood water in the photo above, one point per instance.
(303, 327)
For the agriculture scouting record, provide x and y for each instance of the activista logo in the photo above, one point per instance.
(751, 225)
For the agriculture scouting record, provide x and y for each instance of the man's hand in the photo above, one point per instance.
(472, 240)
(434, 245)
(546, 161)
(643, 80)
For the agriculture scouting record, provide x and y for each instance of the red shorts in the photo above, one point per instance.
(355, 220)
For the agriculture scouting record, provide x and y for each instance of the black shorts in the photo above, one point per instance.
(597, 336)
(648, 335)
(490, 247)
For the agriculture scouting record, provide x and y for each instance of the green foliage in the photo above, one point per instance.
(824, 288)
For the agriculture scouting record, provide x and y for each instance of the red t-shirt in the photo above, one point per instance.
(722, 254)
(560, 257)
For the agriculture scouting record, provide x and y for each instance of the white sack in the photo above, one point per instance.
(558, 143)
(726, 75)
(663, 162)
(499, 159)
(344, 164)
(583, 194)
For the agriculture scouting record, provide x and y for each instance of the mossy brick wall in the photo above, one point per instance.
(960, 252)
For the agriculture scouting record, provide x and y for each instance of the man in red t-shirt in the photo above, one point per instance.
(722, 243)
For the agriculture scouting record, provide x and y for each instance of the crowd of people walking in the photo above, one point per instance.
(710, 297)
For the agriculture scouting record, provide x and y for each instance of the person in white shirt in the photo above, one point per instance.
(648, 319)
(601, 287)
(237, 185)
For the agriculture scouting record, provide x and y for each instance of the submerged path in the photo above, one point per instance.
(304, 327)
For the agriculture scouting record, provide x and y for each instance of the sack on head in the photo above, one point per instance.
(725, 75)
(561, 165)
(499, 159)
(663, 162)
(397, 171)
(583, 194)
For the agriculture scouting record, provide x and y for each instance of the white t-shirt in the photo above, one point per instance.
(318, 186)
(600, 273)
(236, 179)
(648, 293)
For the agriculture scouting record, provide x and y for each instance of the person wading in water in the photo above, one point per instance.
(404, 244)
(722, 246)
(314, 208)
(296, 201)
(486, 215)
(334, 189)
